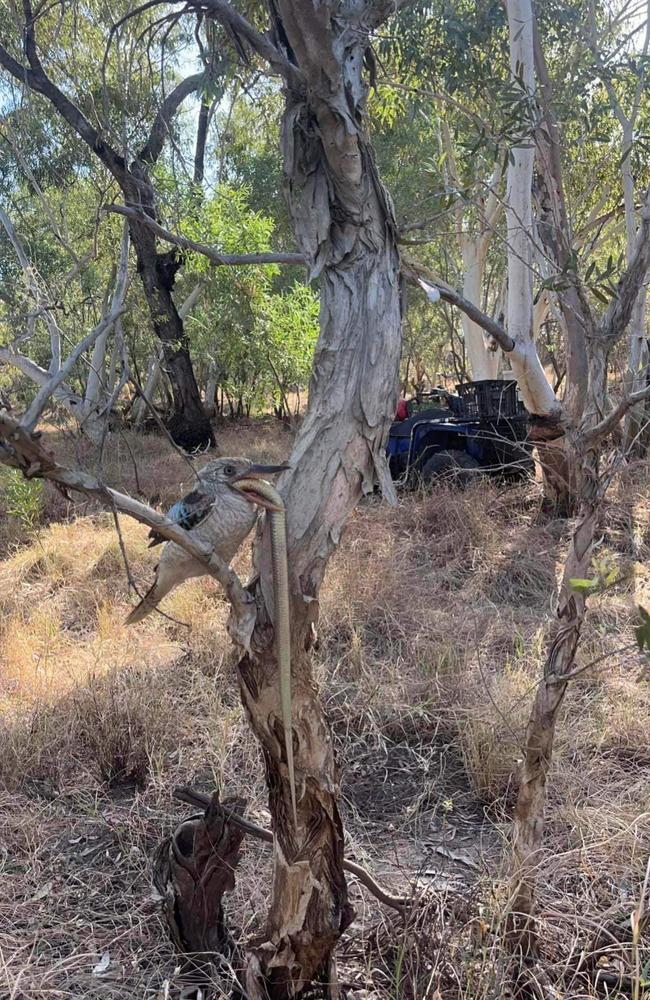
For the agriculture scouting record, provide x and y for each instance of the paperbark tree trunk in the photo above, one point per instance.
(585, 443)
(540, 732)
(344, 224)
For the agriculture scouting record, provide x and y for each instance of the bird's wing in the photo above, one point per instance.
(188, 513)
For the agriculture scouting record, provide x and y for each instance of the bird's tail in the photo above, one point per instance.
(148, 604)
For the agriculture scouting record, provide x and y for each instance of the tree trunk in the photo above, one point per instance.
(637, 336)
(537, 393)
(540, 733)
(352, 397)
(343, 222)
(483, 363)
(586, 444)
(96, 378)
(188, 425)
(555, 234)
(154, 373)
(211, 391)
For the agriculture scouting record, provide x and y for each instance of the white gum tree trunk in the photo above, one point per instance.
(474, 235)
(483, 362)
(536, 392)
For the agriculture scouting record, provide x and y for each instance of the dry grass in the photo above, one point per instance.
(433, 629)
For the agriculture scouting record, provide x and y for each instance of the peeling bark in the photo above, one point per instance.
(585, 444)
(560, 660)
(344, 225)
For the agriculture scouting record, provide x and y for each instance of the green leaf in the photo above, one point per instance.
(579, 585)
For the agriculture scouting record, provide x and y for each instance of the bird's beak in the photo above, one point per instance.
(257, 472)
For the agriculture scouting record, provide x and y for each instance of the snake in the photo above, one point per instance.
(270, 499)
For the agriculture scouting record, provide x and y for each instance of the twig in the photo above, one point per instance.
(563, 678)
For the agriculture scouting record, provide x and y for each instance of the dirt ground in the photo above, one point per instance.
(434, 622)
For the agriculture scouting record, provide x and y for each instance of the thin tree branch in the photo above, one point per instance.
(617, 317)
(412, 270)
(233, 21)
(609, 422)
(63, 393)
(41, 398)
(219, 259)
(31, 278)
(37, 80)
(194, 798)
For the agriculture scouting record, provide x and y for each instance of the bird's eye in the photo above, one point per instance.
(230, 470)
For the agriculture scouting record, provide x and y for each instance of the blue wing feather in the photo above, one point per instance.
(188, 513)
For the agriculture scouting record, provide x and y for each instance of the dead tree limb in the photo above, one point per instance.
(213, 255)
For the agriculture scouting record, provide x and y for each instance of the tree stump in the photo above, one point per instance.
(192, 870)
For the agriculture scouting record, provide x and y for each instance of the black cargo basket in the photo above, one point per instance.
(488, 399)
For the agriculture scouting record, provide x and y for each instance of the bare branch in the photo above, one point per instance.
(46, 391)
(607, 425)
(412, 270)
(185, 794)
(617, 317)
(160, 128)
(233, 21)
(62, 393)
(219, 259)
(37, 80)
(31, 278)
(21, 449)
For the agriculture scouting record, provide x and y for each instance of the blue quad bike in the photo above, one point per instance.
(482, 429)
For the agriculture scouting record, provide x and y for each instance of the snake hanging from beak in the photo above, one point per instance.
(265, 495)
